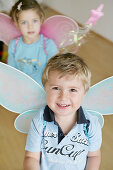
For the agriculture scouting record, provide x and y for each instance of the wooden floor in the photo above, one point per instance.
(98, 53)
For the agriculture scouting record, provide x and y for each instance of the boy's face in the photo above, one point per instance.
(64, 94)
(29, 24)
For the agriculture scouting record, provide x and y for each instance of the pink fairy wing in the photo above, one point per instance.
(61, 29)
(8, 30)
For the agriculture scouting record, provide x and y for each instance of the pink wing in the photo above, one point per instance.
(8, 30)
(61, 29)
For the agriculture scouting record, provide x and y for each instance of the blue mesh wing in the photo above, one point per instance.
(19, 92)
(99, 98)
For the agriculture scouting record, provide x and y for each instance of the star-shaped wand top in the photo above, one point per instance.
(95, 15)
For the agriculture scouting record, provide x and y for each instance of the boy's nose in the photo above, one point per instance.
(64, 94)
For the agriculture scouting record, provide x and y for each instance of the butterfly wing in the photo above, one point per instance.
(100, 97)
(8, 30)
(97, 114)
(18, 91)
(23, 121)
(62, 29)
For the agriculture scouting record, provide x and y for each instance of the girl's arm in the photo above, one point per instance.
(32, 161)
(11, 53)
(93, 160)
(50, 48)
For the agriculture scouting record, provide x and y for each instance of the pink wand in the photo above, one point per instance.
(95, 15)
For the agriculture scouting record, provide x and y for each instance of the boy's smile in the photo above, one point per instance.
(64, 94)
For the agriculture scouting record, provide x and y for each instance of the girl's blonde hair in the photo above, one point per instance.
(26, 5)
(70, 64)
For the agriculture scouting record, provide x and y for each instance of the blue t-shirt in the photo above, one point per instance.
(60, 152)
(31, 58)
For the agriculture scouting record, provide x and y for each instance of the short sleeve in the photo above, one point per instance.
(34, 138)
(51, 48)
(95, 135)
(11, 58)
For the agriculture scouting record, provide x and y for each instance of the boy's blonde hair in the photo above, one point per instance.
(70, 64)
(26, 5)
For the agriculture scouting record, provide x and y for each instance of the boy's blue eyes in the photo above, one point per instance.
(71, 90)
(55, 88)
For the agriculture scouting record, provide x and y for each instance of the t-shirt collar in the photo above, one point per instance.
(49, 115)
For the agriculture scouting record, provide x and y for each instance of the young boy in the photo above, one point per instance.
(63, 136)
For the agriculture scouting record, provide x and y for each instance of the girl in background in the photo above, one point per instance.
(30, 52)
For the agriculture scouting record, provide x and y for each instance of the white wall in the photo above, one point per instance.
(5, 5)
(79, 10)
